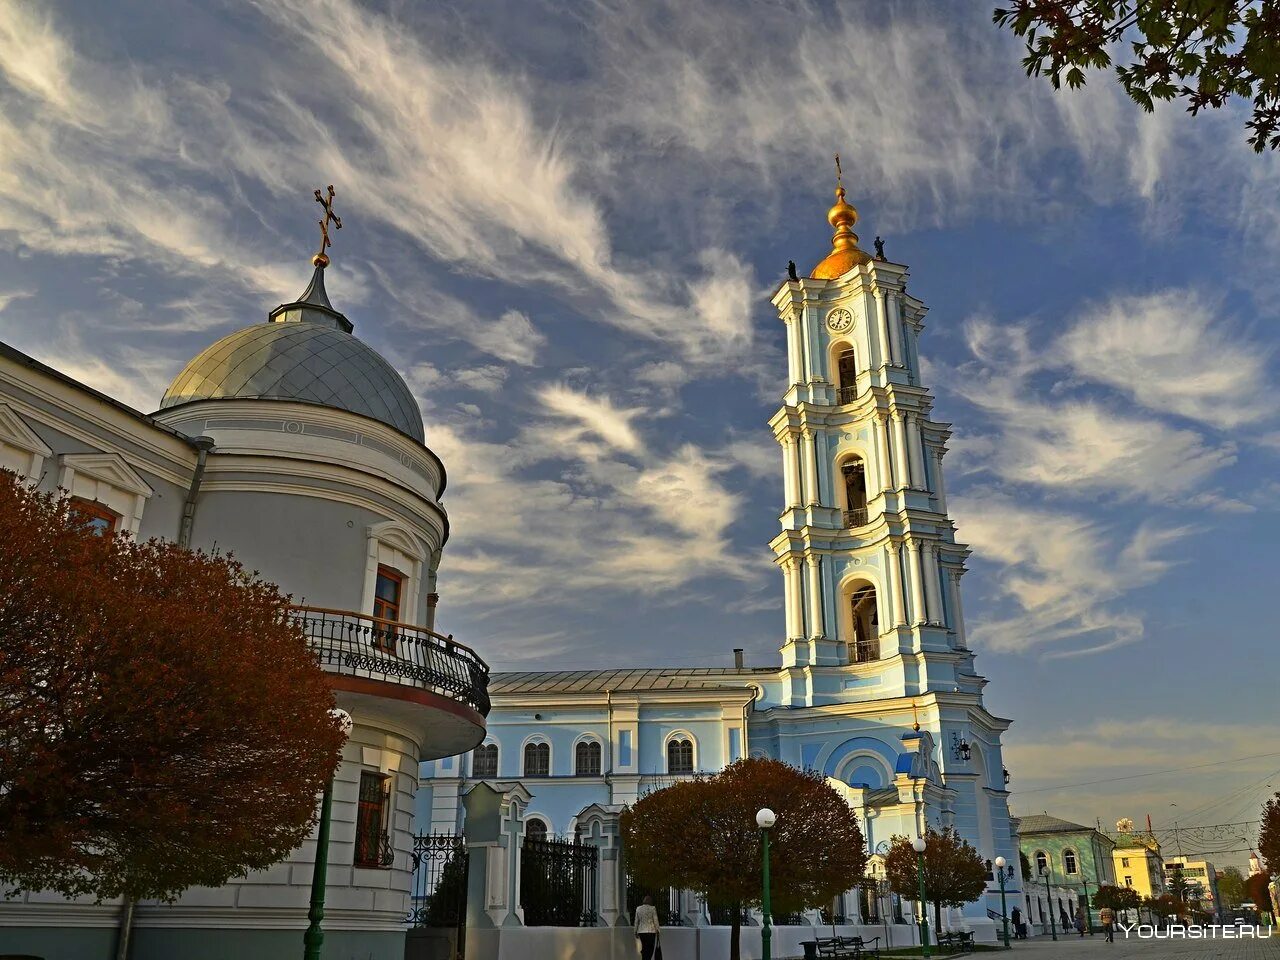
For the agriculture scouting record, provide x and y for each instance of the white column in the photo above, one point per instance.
(886, 465)
(882, 327)
(957, 611)
(918, 612)
(816, 626)
(793, 347)
(895, 585)
(795, 623)
(901, 469)
(939, 487)
(932, 582)
(809, 455)
(791, 472)
(895, 329)
(915, 449)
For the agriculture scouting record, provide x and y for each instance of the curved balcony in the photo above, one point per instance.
(371, 648)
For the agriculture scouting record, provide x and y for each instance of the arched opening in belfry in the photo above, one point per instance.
(847, 376)
(854, 474)
(864, 642)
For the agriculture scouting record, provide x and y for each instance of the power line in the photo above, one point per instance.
(1139, 776)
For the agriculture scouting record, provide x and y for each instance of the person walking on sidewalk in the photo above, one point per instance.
(1108, 918)
(647, 928)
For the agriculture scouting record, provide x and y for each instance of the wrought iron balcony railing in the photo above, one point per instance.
(857, 517)
(357, 645)
(374, 850)
(846, 394)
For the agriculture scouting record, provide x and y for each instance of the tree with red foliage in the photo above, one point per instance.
(701, 835)
(1256, 888)
(162, 722)
(954, 873)
(1269, 835)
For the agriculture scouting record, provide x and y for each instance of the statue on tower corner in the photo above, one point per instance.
(879, 244)
(791, 270)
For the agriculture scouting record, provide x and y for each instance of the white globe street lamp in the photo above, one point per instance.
(765, 818)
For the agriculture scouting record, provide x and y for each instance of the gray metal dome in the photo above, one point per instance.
(305, 352)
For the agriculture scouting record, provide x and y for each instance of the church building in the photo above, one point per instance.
(875, 685)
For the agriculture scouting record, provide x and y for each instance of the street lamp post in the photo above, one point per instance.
(1053, 927)
(313, 939)
(918, 845)
(1004, 910)
(765, 819)
(1088, 917)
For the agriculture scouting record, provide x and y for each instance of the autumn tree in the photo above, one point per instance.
(1231, 886)
(1117, 898)
(1269, 836)
(954, 873)
(701, 835)
(1202, 52)
(1256, 888)
(162, 722)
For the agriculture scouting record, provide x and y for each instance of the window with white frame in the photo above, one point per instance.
(394, 566)
(1042, 862)
(21, 450)
(537, 759)
(535, 828)
(586, 758)
(679, 755)
(103, 484)
(1069, 862)
(484, 763)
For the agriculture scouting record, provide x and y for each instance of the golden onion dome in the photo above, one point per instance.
(844, 255)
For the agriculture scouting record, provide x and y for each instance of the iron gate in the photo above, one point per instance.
(558, 883)
(439, 895)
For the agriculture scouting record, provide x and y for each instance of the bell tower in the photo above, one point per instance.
(868, 554)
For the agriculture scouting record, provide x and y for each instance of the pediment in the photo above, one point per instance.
(400, 537)
(109, 468)
(15, 432)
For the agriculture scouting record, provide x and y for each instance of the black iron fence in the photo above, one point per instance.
(722, 915)
(857, 517)
(665, 899)
(558, 883)
(438, 897)
(362, 646)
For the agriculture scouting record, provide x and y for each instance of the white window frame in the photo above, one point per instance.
(393, 544)
(666, 750)
(551, 754)
(588, 738)
(107, 479)
(15, 435)
(497, 766)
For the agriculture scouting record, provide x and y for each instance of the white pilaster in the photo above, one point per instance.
(793, 348)
(795, 621)
(932, 582)
(901, 468)
(957, 610)
(886, 465)
(895, 586)
(918, 612)
(791, 472)
(809, 456)
(895, 329)
(915, 450)
(939, 487)
(882, 328)
(816, 626)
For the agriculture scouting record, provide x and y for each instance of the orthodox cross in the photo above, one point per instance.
(839, 175)
(329, 216)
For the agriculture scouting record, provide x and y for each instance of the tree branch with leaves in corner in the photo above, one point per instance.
(1200, 52)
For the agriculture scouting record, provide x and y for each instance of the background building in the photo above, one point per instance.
(295, 446)
(1137, 862)
(1200, 880)
(1068, 863)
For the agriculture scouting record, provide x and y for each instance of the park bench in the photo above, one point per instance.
(848, 948)
(962, 941)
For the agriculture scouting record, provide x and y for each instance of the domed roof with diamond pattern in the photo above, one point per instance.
(305, 352)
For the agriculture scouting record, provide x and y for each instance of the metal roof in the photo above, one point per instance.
(1043, 823)
(619, 681)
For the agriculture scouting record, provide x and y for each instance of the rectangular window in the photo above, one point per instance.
(1128, 881)
(373, 846)
(101, 519)
(386, 605)
(1124, 861)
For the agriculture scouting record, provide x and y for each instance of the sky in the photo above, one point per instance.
(563, 222)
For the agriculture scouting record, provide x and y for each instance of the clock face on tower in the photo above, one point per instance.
(839, 320)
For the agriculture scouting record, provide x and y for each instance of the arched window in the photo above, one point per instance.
(679, 755)
(864, 645)
(1069, 861)
(1042, 862)
(484, 763)
(847, 372)
(586, 758)
(855, 493)
(537, 759)
(535, 829)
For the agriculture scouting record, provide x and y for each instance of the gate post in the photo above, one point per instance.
(493, 827)
(601, 827)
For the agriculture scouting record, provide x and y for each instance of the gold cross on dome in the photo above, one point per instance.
(329, 217)
(839, 175)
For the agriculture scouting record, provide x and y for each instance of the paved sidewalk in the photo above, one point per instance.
(1096, 948)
